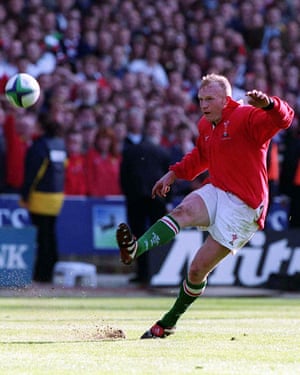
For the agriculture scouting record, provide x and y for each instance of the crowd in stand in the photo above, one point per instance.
(97, 62)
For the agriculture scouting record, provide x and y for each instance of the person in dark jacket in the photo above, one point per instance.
(290, 173)
(43, 193)
(142, 163)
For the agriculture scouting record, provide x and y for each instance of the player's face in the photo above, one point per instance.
(212, 99)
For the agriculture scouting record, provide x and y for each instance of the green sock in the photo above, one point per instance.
(187, 295)
(161, 232)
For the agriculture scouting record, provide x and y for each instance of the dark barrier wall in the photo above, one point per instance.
(87, 227)
(269, 253)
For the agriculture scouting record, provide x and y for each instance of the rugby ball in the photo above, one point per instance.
(22, 90)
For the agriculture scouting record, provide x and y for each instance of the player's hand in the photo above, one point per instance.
(258, 98)
(162, 186)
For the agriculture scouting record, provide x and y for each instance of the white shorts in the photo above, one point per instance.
(232, 222)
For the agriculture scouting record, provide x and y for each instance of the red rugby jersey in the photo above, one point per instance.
(234, 151)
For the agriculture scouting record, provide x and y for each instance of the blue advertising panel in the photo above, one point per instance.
(17, 254)
(105, 218)
(85, 226)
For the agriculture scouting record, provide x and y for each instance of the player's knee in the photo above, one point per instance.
(197, 273)
(183, 214)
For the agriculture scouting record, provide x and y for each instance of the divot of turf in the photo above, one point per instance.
(107, 332)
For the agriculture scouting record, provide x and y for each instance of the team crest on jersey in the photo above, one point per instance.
(233, 238)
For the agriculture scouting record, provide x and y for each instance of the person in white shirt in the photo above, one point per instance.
(151, 66)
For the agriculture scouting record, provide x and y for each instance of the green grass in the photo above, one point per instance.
(216, 336)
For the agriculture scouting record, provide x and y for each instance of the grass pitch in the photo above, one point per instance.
(86, 336)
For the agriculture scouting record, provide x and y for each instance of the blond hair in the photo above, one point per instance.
(222, 81)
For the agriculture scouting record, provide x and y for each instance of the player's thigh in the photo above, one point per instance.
(191, 211)
(206, 259)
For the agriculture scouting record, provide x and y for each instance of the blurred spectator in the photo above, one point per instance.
(63, 114)
(90, 40)
(129, 82)
(84, 116)
(43, 193)
(14, 53)
(58, 97)
(143, 161)
(145, 85)
(177, 61)
(151, 66)
(51, 34)
(192, 80)
(273, 27)
(290, 36)
(135, 98)
(123, 39)
(89, 130)
(120, 131)
(105, 44)
(183, 143)
(76, 178)
(154, 130)
(252, 26)
(72, 45)
(138, 47)
(292, 79)
(2, 151)
(273, 168)
(62, 9)
(15, 8)
(290, 172)
(19, 129)
(173, 116)
(40, 61)
(106, 120)
(118, 63)
(103, 165)
(88, 69)
(87, 94)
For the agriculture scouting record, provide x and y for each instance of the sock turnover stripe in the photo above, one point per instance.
(170, 223)
(193, 292)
